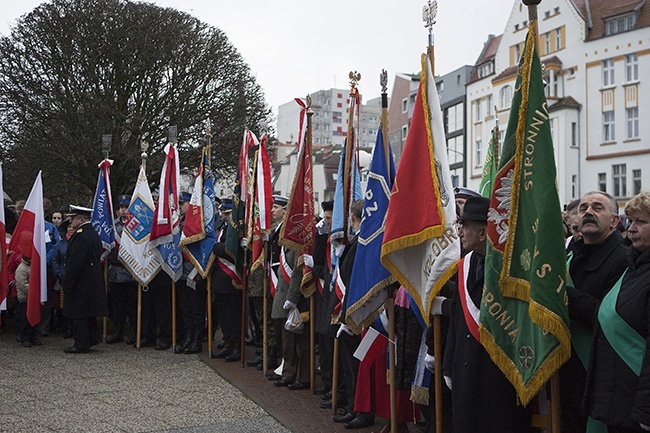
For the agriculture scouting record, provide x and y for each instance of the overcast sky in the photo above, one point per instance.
(295, 47)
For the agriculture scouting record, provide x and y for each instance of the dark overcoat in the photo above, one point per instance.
(614, 393)
(83, 283)
(483, 400)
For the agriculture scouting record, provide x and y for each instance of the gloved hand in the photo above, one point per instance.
(288, 305)
(448, 381)
(309, 260)
(343, 328)
(430, 362)
(244, 242)
(436, 309)
(339, 250)
(645, 427)
(265, 237)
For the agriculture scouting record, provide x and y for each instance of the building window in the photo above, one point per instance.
(489, 110)
(505, 97)
(327, 101)
(632, 122)
(479, 153)
(620, 24)
(458, 80)
(602, 182)
(636, 181)
(620, 180)
(454, 118)
(517, 53)
(440, 86)
(632, 67)
(556, 10)
(609, 132)
(547, 42)
(574, 186)
(477, 110)
(405, 130)
(339, 95)
(405, 105)
(558, 39)
(574, 134)
(608, 72)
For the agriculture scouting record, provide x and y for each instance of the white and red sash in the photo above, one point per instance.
(285, 269)
(273, 280)
(470, 311)
(229, 268)
(339, 289)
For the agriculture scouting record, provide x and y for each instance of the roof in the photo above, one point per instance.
(567, 102)
(490, 48)
(512, 70)
(597, 11)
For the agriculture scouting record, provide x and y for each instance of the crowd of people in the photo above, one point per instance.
(605, 385)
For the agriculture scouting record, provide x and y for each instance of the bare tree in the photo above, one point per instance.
(72, 70)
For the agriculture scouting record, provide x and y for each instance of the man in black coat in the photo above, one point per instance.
(83, 284)
(595, 264)
(483, 400)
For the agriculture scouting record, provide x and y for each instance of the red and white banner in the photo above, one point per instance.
(371, 345)
(4, 280)
(260, 224)
(167, 214)
(29, 240)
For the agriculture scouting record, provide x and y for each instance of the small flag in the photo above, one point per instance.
(102, 216)
(167, 214)
(372, 344)
(490, 165)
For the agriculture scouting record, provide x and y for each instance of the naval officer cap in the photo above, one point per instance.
(79, 211)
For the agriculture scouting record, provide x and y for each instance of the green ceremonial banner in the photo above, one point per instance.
(524, 316)
(490, 165)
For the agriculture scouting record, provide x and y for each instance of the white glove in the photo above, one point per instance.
(430, 362)
(288, 305)
(448, 381)
(436, 309)
(265, 237)
(645, 427)
(309, 260)
(343, 328)
(339, 250)
(243, 242)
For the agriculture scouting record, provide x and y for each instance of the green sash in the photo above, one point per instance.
(581, 339)
(625, 341)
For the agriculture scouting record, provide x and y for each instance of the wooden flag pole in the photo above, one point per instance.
(139, 320)
(265, 313)
(390, 311)
(173, 316)
(312, 342)
(104, 320)
(244, 316)
(208, 300)
(335, 375)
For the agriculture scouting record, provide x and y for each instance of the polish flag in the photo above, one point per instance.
(4, 283)
(371, 345)
(29, 240)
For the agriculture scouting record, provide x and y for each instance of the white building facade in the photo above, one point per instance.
(593, 53)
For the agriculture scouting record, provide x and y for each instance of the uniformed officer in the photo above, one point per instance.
(85, 298)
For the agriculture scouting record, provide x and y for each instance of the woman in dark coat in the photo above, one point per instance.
(618, 382)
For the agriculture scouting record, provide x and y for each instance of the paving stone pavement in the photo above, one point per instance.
(117, 388)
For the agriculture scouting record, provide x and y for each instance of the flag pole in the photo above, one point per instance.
(335, 375)
(383, 81)
(244, 318)
(107, 141)
(429, 16)
(555, 380)
(265, 313)
(349, 144)
(143, 146)
(208, 289)
(312, 297)
(173, 316)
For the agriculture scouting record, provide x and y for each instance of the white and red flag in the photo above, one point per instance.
(263, 203)
(4, 280)
(167, 215)
(29, 240)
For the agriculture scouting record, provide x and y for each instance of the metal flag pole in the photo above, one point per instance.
(429, 13)
(173, 139)
(143, 146)
(107, 141)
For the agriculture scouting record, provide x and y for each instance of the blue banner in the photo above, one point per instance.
(367, 291)
(102, 216)
(171, 257)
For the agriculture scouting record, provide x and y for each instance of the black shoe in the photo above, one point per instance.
(26, 343)
(361, 421)
(297, 386)
(129, 340)
(325, 404)
(272, 365)
(344, 418)
(163, 345)
(255, 362)
(147, 343)
(321, 390)
(115, 338)
(327, 395)
(36, 342)
(273, 376)
(282, 382)
(221, 345)
(194, 348)
(234, 356)
(73, 349)
(223, 353)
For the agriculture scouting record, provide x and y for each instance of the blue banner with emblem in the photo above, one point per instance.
(102, 216)
(171, 258)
